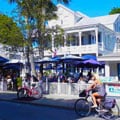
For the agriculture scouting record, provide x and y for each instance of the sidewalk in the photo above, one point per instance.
(52, 100)
(60, 101)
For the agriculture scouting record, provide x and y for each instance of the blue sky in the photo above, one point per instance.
(94, 8)
(91, 8)
(5, 7)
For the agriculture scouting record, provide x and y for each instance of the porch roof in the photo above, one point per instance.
(110, 57)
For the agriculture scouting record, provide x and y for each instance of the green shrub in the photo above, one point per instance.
(19, 81)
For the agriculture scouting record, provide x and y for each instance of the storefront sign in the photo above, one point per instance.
(108, 79)
(113, 89)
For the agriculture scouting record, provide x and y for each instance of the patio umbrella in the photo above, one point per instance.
(43, 60)
(87, 57)
(56, 59)
(12, 66)
(70, 58)
(14, 61)
(91, 63)
(3, 60)
(47, 60)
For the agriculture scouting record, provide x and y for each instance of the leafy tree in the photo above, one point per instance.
(115, 10)
(36, 13)
(10, 33)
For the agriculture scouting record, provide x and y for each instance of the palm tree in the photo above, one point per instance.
(64, 1)
(36, 13)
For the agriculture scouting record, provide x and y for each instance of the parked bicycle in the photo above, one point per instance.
(35, 91)
(107, 108)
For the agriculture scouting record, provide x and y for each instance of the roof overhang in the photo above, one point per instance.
(110, 57)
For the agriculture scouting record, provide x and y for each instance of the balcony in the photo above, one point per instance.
(84, 49)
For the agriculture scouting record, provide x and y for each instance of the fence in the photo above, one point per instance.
(65, 88)
(112, 89)
(3, 86)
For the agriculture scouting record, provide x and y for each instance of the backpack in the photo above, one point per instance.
(109, 103)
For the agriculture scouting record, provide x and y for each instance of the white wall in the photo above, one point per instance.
(65, 18)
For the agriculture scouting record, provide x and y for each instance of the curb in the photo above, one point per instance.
(44, 102)
(50, 100)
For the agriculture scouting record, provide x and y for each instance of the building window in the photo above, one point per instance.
(99, 37)
(117, 27)
(118, 44)
(118, 67)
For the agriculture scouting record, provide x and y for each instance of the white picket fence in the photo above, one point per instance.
(3, 86)
(112, 89)
(65, 88)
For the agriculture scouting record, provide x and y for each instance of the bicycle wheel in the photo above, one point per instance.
(37, 92)
(112, 113)
(115, 111)
(21, 93)
(82, 107)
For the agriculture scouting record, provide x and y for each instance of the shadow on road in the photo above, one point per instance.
(25, 99)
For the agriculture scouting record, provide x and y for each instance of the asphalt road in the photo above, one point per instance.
(18, 111)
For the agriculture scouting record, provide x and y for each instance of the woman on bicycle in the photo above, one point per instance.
(98, 90)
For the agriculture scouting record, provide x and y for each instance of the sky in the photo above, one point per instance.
(5, 7)
(91, 8)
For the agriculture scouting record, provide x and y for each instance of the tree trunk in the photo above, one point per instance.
(33, 71)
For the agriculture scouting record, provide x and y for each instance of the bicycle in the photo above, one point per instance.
(83, 107)
(35, 91)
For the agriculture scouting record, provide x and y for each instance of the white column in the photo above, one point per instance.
(96, 37)
(80, 36)
(102, 40)
(65, 42)
(58, 86)
(46, 85)
(107, 69)
(69, 88)
(53, 47)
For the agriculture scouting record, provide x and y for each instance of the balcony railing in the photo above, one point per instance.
(84, 49)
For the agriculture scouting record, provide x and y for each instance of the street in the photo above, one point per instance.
(17, 111)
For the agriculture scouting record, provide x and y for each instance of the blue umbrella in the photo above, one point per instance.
(14, 61)
(43, 60)
(47, 60)
(87, 57)
(56, 59)
(12, 66)
(91, 63)
(3, 60)
(70, 58)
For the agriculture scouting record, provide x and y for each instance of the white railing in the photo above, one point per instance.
(74, 50)
(65, 88)
(112, 88)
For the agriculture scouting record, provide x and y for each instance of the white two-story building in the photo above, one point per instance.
(99, 36)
